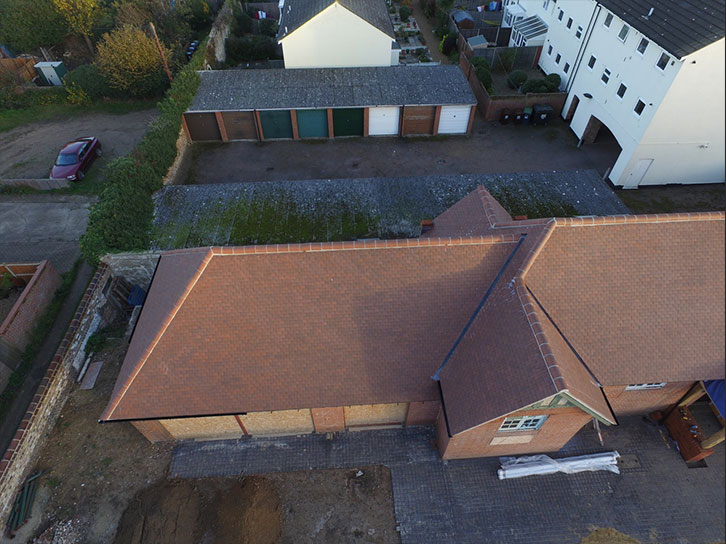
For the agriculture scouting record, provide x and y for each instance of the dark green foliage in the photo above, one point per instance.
(405, 13)
(249, 48)
(505, 59)
(448, 46)
(121, 220)
(553, 80)
(516, 79)
(91, 82)
(98, 340)
(483, 72)
(12, 98)
(26, 25)
(268, 27)
(199, 13)
(429, 8)
(549, 84)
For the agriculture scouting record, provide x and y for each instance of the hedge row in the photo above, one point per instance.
(122, 218)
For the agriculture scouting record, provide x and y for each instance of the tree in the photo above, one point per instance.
(130, 61)
(404, 13)
(25, 26)
(80, 15)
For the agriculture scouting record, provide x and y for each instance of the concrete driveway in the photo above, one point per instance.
(492, 148)
(37, 227)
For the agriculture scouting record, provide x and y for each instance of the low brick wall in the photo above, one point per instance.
(41, 184)
(491, 106)
(24, 450)
(37, 294)
(136, 268)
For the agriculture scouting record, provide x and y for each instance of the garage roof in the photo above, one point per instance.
(231, 90)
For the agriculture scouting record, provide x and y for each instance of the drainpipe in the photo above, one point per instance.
(583, 47)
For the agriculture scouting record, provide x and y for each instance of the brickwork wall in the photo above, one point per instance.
(35, 298)
(625, 403)
(487, 441)
(136, 268)
(422, 413)
(22, 454)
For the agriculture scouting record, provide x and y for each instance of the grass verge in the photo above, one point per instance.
(35, 341)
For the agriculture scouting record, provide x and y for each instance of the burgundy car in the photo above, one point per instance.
(75, 159)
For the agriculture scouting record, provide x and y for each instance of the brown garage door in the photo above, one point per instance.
(418, 120)
(240, 125)
(202, 126)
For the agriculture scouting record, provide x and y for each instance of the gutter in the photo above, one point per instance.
(583, 47)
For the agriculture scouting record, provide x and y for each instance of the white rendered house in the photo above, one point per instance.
(336, 34)
(651, 72)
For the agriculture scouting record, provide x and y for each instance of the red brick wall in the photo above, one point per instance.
(32, 302)
(153, 431)
(327, 420)
(561, 425)
(422, 413)
(645, 401)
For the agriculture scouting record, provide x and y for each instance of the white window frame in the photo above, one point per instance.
(549, 50)
(668, 60)
(558, 58)
(626, 28)
(522, 423)
(647, 43)
(635, 112)
(594, 59)
(566, 68)
(605, 77)
(645, 386)
(578, 32)
(608, 20)
(617, 95)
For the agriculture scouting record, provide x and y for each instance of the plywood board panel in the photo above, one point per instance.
(375, 414)
(280, 422)
(205, 428)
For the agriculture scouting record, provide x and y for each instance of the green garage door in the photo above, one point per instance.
(276, 124)
(312, 123)
(348, 122)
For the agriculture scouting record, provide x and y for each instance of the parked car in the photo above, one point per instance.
(75, 158)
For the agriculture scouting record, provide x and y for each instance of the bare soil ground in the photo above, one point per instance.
(608, 536)
(100, 479)
(29, 151)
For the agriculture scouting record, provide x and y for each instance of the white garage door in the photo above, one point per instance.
(454, 119)
(383, 121)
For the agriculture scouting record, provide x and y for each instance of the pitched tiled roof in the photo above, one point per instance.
(295, 13)
(301, 326)
(680, 28)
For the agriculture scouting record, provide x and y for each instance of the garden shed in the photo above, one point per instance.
(330, 103)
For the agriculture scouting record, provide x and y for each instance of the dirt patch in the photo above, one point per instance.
(334, 506)
(30, 150)
(675, 199)
(608, 536)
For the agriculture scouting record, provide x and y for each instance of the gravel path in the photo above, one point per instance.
(199, 215)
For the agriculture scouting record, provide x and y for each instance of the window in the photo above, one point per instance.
(621, 90)
(608, 20)
(549, 50)
(578, 32)
(639, 107)
(591, 62)
(642, 386)
(560, 15)
(546, 4)
(663, 61)
(643, 45)
(522, 423)
(623, 33)
(558, 58)
(605, 77)
(567, 67)
(569, 23)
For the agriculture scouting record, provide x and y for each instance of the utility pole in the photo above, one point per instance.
(161, 53)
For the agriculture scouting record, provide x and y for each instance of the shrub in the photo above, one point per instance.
(404, 13)
(122, 218)
(268, 27)
(448, 44)
(25, 25)
(483, 72)
(89, 80)
(553, 80)
(249, 48)
(536, 86)
(505, 59)
(516, 79)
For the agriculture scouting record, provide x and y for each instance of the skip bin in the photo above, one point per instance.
(504, 116)
(541, 114)
(517, 117)
(526, 115)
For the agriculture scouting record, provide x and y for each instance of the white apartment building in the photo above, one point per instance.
(652, 72)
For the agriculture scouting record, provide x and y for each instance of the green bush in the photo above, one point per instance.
(405, 13)
(121, 219)
(505, 59)
(268, 27)
(516, 79)
(536, 86)
(553, 80)
(90, 81)
(249, 48)
(483, 72)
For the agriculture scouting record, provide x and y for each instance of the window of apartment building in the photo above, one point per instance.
(558, 58)
(621, 90)
(549, 50)
(522, 423)
(605, 77)
(560, 15)
(663, 61)
(567, 67)
(623, 33)
(638, 109)
(546, 4)
(569, 23)
(642, 386)
(578, 32)
(591, 62)
(608, 20)
(643, 45)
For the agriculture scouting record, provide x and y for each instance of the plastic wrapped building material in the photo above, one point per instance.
(517, 467)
